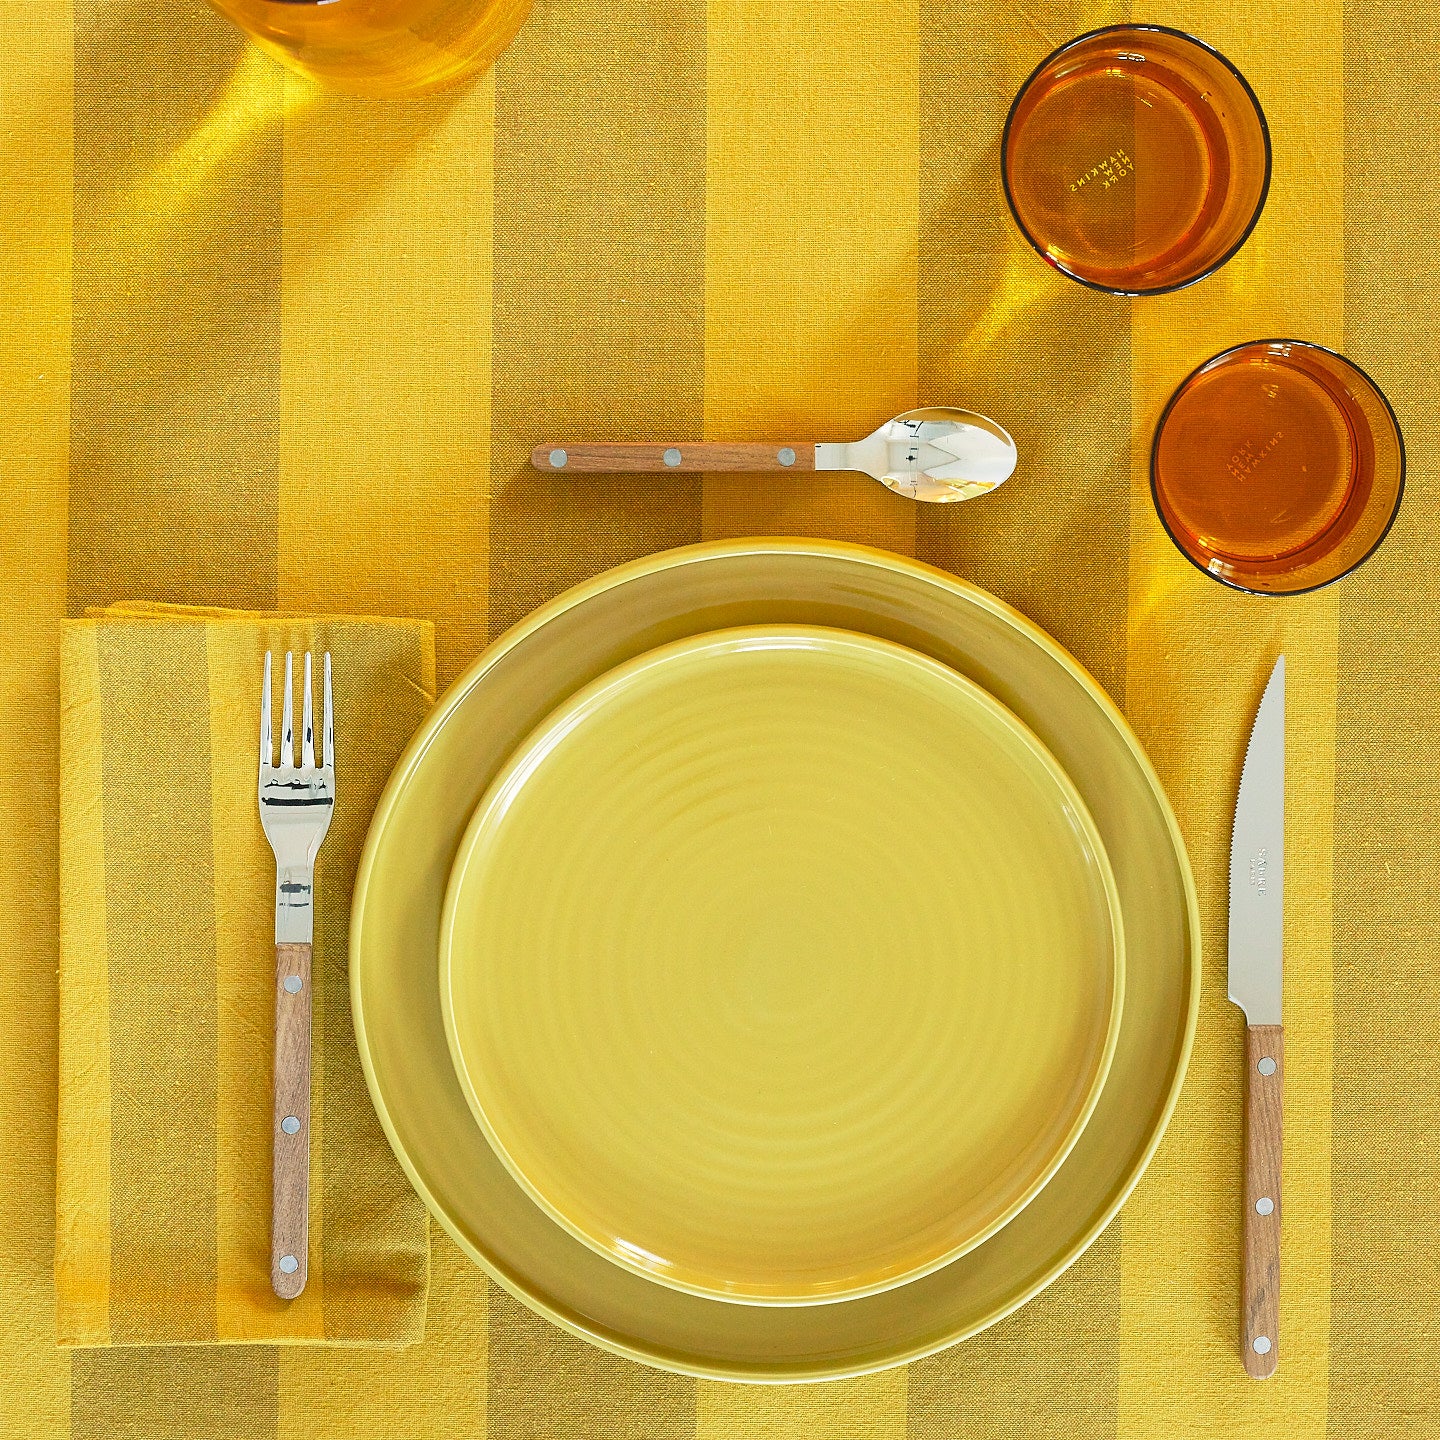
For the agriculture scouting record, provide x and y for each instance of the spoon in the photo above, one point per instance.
(932, 454)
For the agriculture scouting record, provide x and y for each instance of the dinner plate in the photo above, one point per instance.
(456, 755)
(781, 964)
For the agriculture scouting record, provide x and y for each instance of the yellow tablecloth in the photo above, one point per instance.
(270, 349)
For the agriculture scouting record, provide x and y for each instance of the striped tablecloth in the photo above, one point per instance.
(265, 348)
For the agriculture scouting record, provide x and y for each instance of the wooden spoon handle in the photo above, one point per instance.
(1260, 1315)
(701, 455)
(290, 1217)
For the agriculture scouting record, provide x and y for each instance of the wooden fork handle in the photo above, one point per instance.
(290, 1217)
(562, 458)
(1260, 1314)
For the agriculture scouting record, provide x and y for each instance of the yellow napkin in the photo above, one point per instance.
(167, 992)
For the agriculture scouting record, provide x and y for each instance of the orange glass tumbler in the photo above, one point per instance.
(382, 48)
(1136, 159)
(1278, 466)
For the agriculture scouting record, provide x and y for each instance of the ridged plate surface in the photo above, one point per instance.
(782, 965)
(454, 759)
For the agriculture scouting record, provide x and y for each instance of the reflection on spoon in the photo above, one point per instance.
(935, 454)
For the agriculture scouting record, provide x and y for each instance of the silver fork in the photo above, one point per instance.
(296, 803)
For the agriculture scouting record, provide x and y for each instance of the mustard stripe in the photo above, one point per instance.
(156, 806)
(1061, 1347)
(1002, 333)
(383, 452)
(870, 1408)
(810, 261)
(175, 1393)
(541, 1381)
(598, 333)
(82, 1192)
(35, 148)
(1385, 1351)
(176, 274)
(598, 282)
(332, 1393)
(375, 1247)
(376, 458)
(812, 199)
(1199, 657)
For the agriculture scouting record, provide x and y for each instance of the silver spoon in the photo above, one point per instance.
(934, 454)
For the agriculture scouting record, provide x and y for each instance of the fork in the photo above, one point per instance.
(296, 803)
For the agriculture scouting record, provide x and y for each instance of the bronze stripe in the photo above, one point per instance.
(598, 285)
(1385, 1275)
(1050, 359)
(175, 1393)
(544, 1382)
(1048, 1372)
(160, 929)
(598, 333)
(175, 388)
(1002, 333)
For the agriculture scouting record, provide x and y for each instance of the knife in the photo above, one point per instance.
(1257, 906)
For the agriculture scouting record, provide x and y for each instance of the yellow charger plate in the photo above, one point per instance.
(463, 745)
(782, 964)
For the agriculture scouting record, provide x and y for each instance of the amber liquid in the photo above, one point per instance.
(382, 47)
(1128, 160)
(1267, 471)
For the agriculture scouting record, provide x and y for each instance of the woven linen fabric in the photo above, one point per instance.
(166, 987)
(269, 348)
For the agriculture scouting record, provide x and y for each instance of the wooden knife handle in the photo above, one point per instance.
(564, 458)
(1260, 1316)
(290, 1217)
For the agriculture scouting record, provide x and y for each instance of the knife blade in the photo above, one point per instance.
(1256, 944)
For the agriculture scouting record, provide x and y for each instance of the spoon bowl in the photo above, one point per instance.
(936, 454)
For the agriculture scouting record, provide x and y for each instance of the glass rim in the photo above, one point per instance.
(1137, 27)
(1155, 466)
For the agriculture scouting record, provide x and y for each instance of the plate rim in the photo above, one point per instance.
(675, 558)
(560, 722)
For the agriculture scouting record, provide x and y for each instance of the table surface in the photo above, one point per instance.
(263, 347)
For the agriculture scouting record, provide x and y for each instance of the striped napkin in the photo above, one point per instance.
(167, 893)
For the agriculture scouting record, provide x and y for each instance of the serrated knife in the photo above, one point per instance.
(1257, 912)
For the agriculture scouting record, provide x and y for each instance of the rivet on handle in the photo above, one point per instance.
(290, 1125)
(558, 459)
(672, 456)
(292, 984)
(1261, 1345)
(786, 456)
(289, 1265)
(1266, 1067)
(1264, 1206)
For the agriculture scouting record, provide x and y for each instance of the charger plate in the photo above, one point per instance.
(782, 964)
(461, 748)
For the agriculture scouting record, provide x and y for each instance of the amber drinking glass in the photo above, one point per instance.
(1278, 466)
(1136, 159)
(381, 47)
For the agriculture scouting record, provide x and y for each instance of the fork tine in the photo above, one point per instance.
(267, 743)
(329, 718)
(307, 726)
(287, 731)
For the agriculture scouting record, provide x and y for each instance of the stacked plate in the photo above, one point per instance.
(774, 960)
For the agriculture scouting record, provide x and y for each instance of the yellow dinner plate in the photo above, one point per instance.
(462, 747)
(782, 964)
